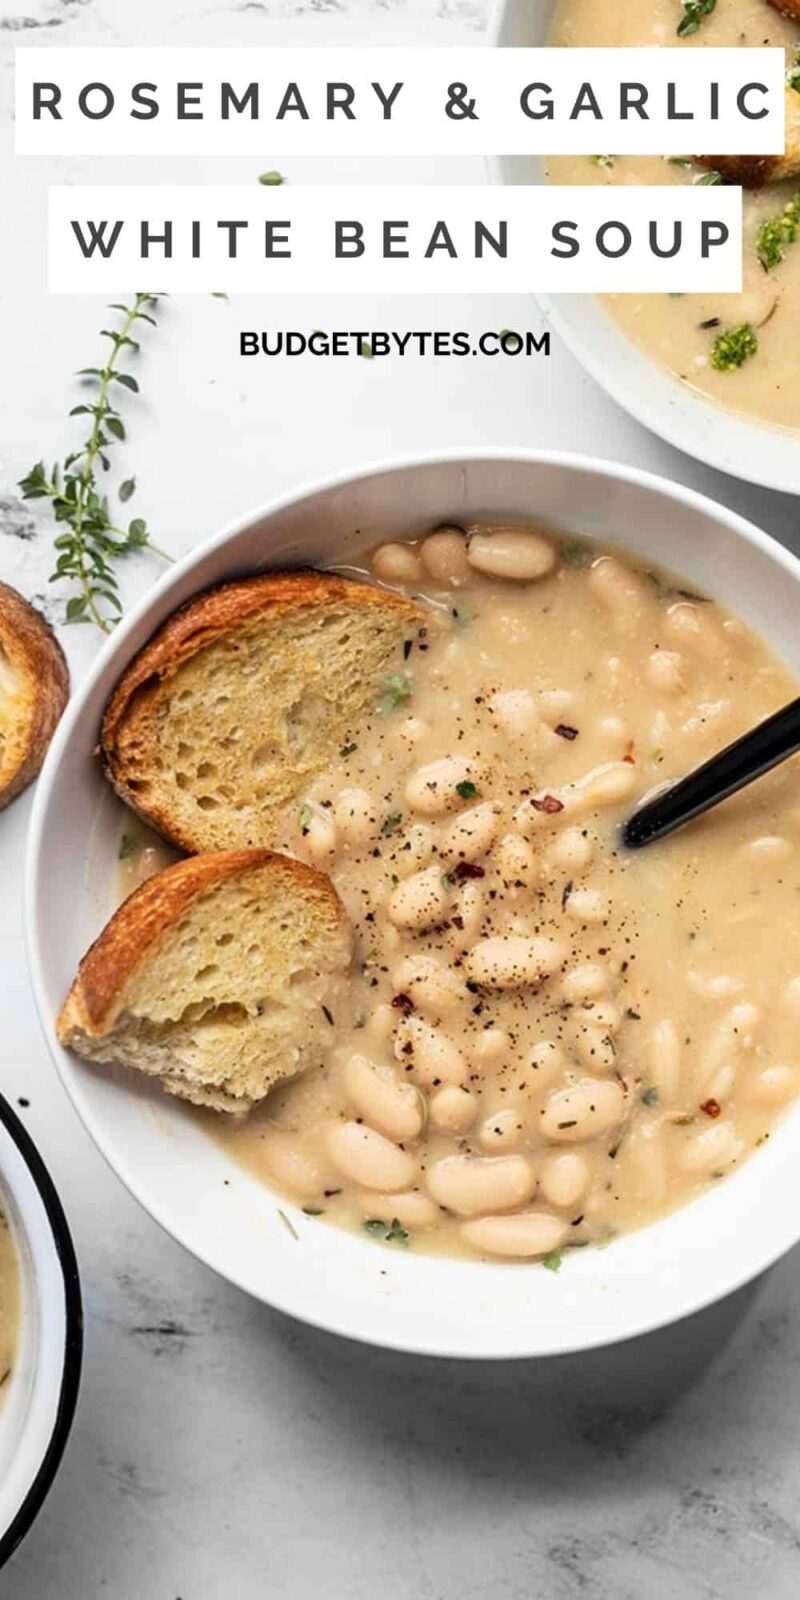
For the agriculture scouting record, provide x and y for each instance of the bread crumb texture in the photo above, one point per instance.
(213, 977)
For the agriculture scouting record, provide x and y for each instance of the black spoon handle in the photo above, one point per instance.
(740, 763)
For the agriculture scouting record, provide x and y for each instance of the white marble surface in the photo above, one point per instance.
(219, 1449)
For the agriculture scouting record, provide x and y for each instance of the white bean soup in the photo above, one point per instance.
(546, 1040)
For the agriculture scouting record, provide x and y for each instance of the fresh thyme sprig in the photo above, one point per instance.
(92, 540)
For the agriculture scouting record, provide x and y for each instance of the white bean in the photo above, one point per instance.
(710, 1150)
(586, 905)
(619, 589)
(514, 963)
(415, 851)
(380, 1023)
(585, 982)
(396, 563)
(663, 1056)
(515, 712)
(490, 1048)
(453, 1110)
(643, 1161)
(320, 837)
(528, 1234)
(573, 849)
(466, 915)
(369, 1159)
(595, 1047)
(434, 988)
(731, 1037)
(472, 833)
(665, 671)
(444, 556)
(588, 1109)
(410, 1208)
(421, 901)
(768, 848)
(564, 1178)
(354, 815)
(517, 554)
(547, 1060)
(433, 789)
(502, 1131)
(771, 1086)
(605, 785)
(394, 1108)
(694, 629)
(428, 1055)
(291, 1165)
(516, 862)
(473, 1184)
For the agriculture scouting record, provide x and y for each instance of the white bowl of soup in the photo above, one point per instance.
(40, 1331)
(671, 360)
(599, 1047)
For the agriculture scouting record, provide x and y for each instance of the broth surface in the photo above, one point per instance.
(669, 327)
(9, 1304)
(545, 1040)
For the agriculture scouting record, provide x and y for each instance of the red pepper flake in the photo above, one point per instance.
(712, 1108)
(629, 755)
(404, 1003)
(548, 803)
(466, 869)
(564, 731)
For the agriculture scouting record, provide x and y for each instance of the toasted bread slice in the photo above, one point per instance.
(34, 688)
(219, 725)
(787, 8)
(213, 977)
(753, 172)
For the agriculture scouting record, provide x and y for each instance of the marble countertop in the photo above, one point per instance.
(219, 1448)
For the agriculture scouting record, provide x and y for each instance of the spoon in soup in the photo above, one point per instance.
(740, 763)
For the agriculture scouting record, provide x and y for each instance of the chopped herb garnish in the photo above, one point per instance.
(127, 846)
(390, 1234)
(552, 1261)
(348, 750)
(574, 554)
(304, 818)
(602, 161)
(710, 322)
(391, 823)
(680, 161)
(270, 179)
(694, 12)
(313, 1211)
(649, 1097)
(290, 1227)
(793, 73)
(709, 180)
(396, 691)
(467, 789)
(733, 347)
(777, 232)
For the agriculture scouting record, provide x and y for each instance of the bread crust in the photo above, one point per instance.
(124, 944)
(36, 656)
(198, 623)
(786, 8)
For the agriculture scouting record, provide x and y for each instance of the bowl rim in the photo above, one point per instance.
(69, 1386)
(645, 409)
(762, 1256)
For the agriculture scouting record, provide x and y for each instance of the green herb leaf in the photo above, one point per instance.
(396, 691)
(602, 161)
(270, 179)
(694, 12)
(649, 1097)
(467, 789)
(552, 1261)
(733, 347)
(127, 846)
(393, 1233)
(304, 816)
(391, 823)
(91, 543)
(709, 180)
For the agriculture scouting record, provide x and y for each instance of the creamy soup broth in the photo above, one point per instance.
(670, 327)
(546, 1040)
(9, 1303)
